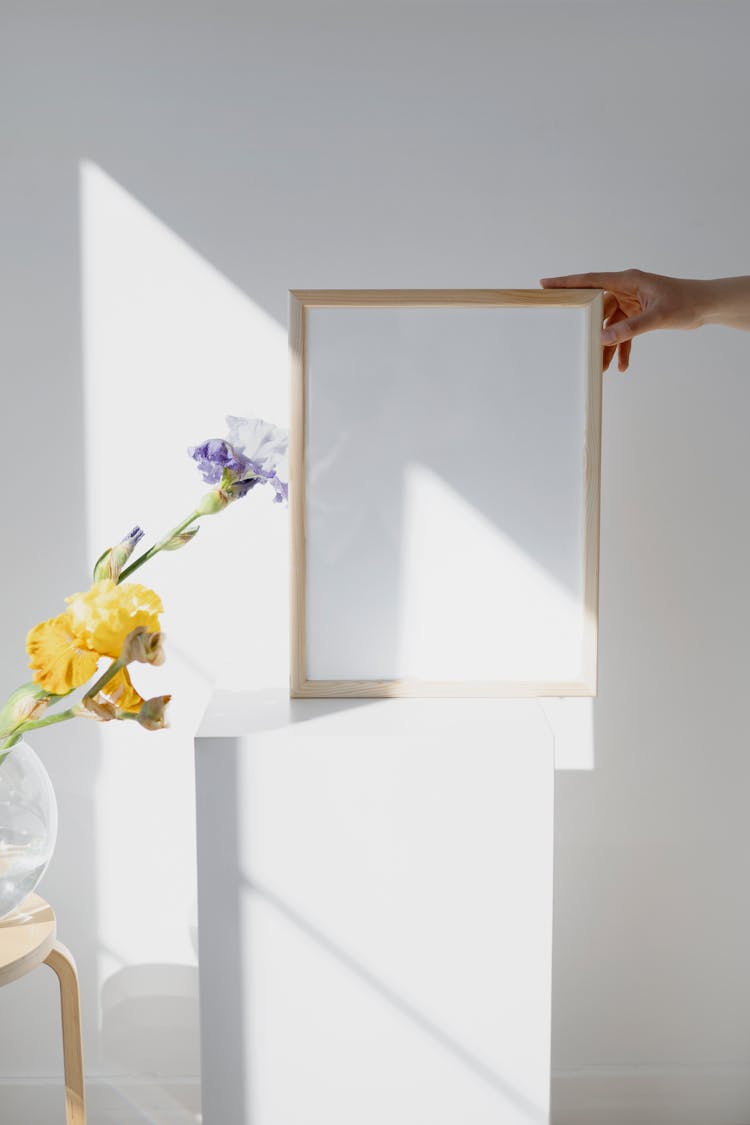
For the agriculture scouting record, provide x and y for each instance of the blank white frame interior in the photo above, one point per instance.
(445, 492)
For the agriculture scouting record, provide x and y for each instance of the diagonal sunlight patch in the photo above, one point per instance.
(531, 627)
(169, 347)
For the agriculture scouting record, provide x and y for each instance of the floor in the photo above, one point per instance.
(113, 1101)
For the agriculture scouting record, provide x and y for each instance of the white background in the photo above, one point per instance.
(236, 151)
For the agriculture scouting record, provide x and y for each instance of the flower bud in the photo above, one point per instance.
(143, 647)
(212, 502)
(151, 715)
(180, 539)
(28, 702)
(113, 560)
(96, 707)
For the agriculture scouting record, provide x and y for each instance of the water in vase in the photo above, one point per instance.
(22, 863)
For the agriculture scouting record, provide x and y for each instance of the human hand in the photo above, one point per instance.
(637, 302)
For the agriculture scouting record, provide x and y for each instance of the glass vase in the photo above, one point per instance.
(28, 825)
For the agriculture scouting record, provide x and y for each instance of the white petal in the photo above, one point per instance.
(261, 441)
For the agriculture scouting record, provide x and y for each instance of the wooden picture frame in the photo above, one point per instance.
(304, 305)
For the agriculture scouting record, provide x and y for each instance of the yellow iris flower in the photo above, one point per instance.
(58, 658)
(104, 615)
(120, 691)
(65, 650)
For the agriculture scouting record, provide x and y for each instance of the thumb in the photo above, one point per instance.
(633, 326)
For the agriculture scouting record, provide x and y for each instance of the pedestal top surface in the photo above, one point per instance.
(232, 714)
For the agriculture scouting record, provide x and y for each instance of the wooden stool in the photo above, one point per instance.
(28, 938)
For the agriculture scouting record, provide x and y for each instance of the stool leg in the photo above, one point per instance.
(61, 961)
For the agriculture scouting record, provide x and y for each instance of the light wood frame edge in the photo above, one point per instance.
(302, 299)
(592, 463)
(298, 517)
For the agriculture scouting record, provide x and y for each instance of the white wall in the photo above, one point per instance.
(232, 151)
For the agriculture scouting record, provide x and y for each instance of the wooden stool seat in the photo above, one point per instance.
(28, 937)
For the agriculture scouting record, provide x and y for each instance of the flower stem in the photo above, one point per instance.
(10, 740)
(35, 724)
(159, 546)
(105, 677)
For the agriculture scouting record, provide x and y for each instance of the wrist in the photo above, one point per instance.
(724, 300)
(706, 300)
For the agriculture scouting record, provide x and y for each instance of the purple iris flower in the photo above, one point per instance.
(281, 490)
(266, 447)
(242, 487)
(256, 453)
(215, 456)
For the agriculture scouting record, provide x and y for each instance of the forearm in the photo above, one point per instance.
(725, 300)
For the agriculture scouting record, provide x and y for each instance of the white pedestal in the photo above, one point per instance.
(375, 911)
